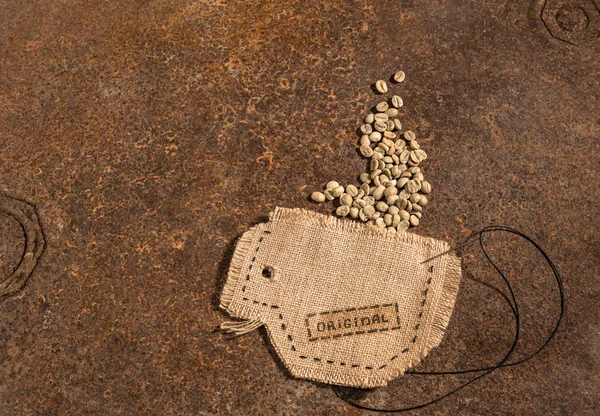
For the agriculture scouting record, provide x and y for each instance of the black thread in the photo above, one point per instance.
(515, 310)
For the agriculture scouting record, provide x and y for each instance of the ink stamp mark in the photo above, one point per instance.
(334, 324)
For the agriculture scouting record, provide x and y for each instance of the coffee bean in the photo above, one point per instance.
(331, 185)
(381, 117)
(414, 198)
(401, 203)
(337, 192)
(366, 151)
(391, 112)
(399, 76)
(409, 135)
(392, 200)
(380, 126)
(317, 197)
(378, 192)
(404, 215)
(375, 136)
(369, 210)
(351, 190)
(382, 106)
(346, 199)
(387, 218)
(412, 186)
(390, 191)
(404, 156)
(403, 225)
(381, 206)
(342, 210)
(381, 86)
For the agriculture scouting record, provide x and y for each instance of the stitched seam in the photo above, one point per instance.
(264, 304)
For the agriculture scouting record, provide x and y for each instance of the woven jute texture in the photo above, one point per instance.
(343, 303)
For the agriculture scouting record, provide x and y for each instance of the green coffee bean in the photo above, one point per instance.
(381, 86)
(399, 76)
(317, 197)
(382, 106)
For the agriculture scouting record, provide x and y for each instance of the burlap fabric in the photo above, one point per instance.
(343, 303)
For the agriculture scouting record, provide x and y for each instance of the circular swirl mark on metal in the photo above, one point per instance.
(572, 21)
(27, 217)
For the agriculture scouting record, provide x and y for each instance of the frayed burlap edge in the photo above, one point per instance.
(240, 255)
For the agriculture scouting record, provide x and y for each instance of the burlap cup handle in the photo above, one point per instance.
(343, 303)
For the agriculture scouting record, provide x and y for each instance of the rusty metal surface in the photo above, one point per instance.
(150, 134)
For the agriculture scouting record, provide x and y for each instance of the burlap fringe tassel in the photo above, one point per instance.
(237, 328)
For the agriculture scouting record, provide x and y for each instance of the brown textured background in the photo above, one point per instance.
(150, 134)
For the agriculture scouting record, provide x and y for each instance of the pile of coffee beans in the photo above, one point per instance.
(393, 191)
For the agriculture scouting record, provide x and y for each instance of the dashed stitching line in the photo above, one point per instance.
(264, 304)
(260, 240)
(404, 351)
